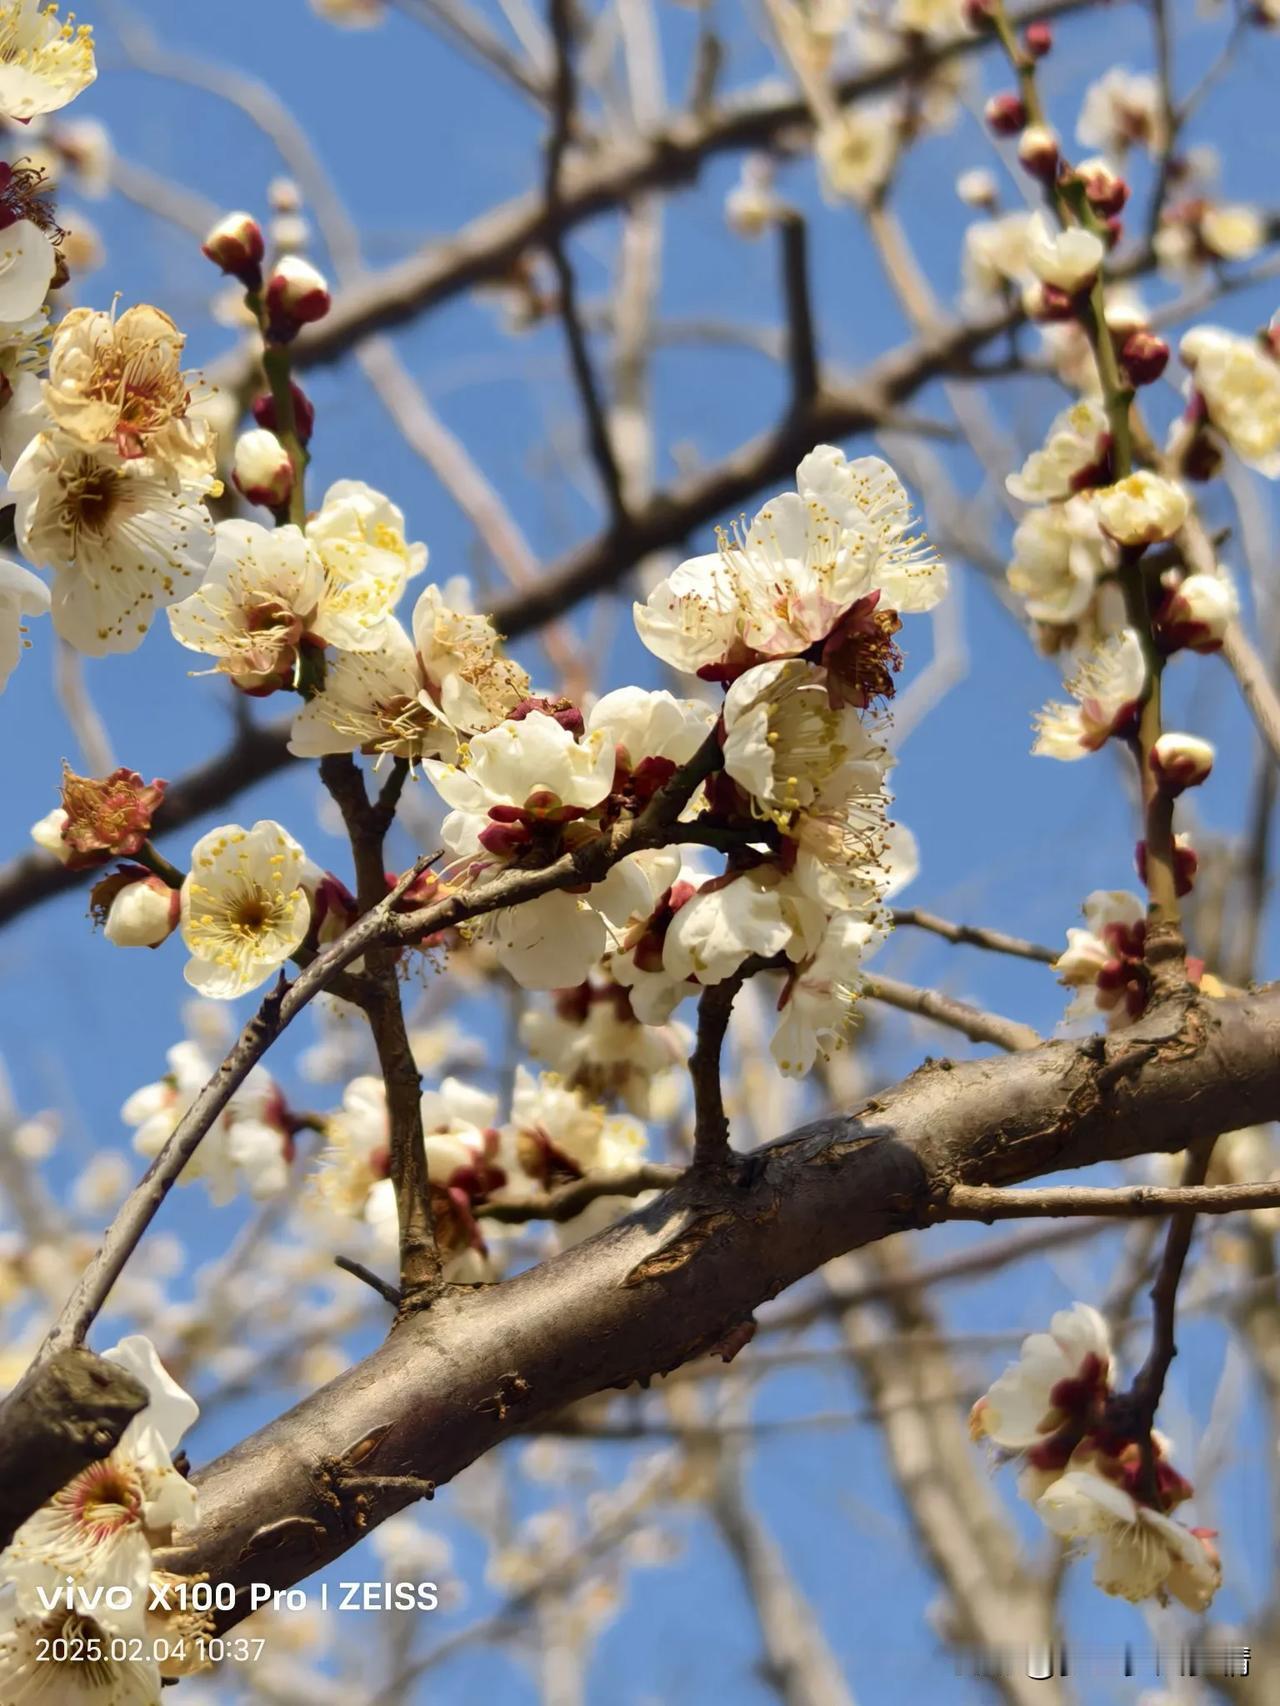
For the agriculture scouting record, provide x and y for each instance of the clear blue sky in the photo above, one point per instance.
(418, 143)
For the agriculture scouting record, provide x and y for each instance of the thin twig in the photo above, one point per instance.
(383, 1287)
(973, 935)
(972, 1022)
(1125, 1202)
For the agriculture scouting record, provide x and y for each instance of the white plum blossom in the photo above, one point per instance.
(1141, 1553)
(1076, 447)
(1141, 509)
(855, 153)
(783, 740)
(1060, 1376)
(816, 1006)
(123, 536)
(250, 1143)
(413, 698)
(725, 922)
(822, 570)
(1238, 381)
(42, 1662)
(1069, 260)
(650, 725)
(267, 595)
(1107, 686)
(1232, 231)
(45, 60)
(593, 1038)
(360, 535)
(21, 594)
(101, 1526)
(47, 835)
(1121, 109)
(1103, 962)
(994, 258)
(28, 260)
(244, 907)
(1059, 557)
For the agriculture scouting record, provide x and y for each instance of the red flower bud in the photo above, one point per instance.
(1037, 39)
(304, 414)
(1144, 356)
(296, 296)
(1005, 114)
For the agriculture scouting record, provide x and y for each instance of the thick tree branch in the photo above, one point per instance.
(662, 1285)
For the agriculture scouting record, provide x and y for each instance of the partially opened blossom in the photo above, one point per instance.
(725, 922)
(1141, 509)
(360, 535)
(1197, 611)
(1074, 456)
(816, 1006)
(1141, 1553)
(783, 739)
(1238, 381)
(244, 907)
(1104, 962)
(22, 594)
(994, 258)
(47, 62)
(137, 908)
(855, 153)
(124, 538)
(653, 734)
(1107, 689)
(1059, 558)
(1068, 260)
(1057, 1387)
(118, 379)
(101, 1527)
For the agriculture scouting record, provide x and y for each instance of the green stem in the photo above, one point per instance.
(147, 855)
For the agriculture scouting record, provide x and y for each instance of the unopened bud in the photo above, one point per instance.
(1037, 39)
(979, 14)
(1039, 152)
(138, 910)
(1180, 761)
(235, 246)
(1106, 190)
(304, 414)
(1196, 613)
(1144, 357)
(977, 188)
(262, 470)
(1005, 114)
(47, 834)
(296, 296)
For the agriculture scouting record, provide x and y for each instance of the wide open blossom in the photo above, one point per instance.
(123, 536)
(21, 594)
(267, 597)
(1141, 1553)
(816, 1006)
(244, 907)
(1107, 687)
(822, 572)
(101, 1526)
(32, 1674)
(1120, 110)
(45, 60)
(1238, 381)
(119, 380)
(414, 698)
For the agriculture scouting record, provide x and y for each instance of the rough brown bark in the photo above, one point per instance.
(62, 1416)
(667, 1282)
